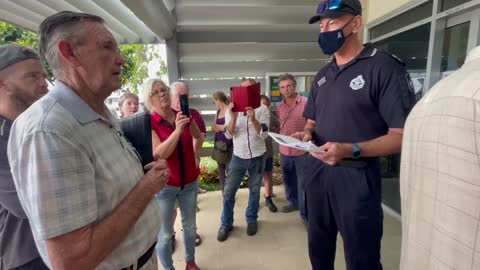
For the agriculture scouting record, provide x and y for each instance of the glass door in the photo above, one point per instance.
(455, 43)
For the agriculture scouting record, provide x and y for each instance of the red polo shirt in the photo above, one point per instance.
(182, 161)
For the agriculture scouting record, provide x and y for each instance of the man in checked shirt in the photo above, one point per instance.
(290, 114)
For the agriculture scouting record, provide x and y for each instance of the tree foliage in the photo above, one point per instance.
(10, 34)
(137, 56)
(135, 70)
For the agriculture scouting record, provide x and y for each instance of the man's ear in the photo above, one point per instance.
(357, 24)
(65, 49)
(4, 87)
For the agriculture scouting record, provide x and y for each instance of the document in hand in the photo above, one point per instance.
(243, 97)
(295, 143)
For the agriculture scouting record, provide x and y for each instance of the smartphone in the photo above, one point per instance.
(184, 105)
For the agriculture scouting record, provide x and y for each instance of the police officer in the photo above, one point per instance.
(356, 111)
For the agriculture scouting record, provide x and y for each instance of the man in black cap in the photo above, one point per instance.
(356, 111)
(22, 82)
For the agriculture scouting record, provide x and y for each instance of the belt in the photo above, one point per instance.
(143, 259)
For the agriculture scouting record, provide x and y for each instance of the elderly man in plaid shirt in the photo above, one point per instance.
(290, 114)
(80, 182)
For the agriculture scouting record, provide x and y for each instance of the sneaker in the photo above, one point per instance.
(289, 208)
(223, 233)
(269, 203)
(191, 265)
(252, 229)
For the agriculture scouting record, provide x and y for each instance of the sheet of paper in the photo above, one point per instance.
(295, 143)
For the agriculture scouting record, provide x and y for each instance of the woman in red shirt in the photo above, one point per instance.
(172, 134)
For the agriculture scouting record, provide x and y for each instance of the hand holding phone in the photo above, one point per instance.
(184, 105)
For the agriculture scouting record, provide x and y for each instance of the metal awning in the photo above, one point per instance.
(209, 43)
(130, 21)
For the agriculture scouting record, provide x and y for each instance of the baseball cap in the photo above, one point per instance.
(11, 54)
(336, 8)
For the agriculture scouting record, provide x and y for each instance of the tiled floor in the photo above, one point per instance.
(281, 241)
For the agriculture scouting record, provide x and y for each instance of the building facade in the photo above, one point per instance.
(432, 37)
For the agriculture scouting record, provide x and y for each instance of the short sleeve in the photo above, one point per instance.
(263, 114)
(56, 184)
(227, 121)
(396, 96)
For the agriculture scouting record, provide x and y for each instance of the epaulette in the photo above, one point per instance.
(382, 51)
(398, 59)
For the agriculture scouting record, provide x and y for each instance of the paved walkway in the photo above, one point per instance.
(280, 244)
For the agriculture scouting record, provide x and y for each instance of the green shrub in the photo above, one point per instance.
(208, 178)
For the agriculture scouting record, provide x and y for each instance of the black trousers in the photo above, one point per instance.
(36, 264)
(346, 200)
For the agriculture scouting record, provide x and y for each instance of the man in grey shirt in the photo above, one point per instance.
(22, 82)
(80, 182)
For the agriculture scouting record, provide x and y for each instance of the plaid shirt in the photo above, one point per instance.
(71, 168)
(291, 121)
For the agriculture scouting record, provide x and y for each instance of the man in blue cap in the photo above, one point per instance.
(356, 112)
(22, 82)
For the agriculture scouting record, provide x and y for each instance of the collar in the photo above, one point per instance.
(297, 98)
(368, 51)
(474, 54)
(157, 118)
(73, 103)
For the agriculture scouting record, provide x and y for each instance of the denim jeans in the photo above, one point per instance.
(237, 169)
(293, 180)
(187, 201)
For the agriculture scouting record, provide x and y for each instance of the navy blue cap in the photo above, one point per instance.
(353, 7)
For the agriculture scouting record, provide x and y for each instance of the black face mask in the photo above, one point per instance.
(330, 42)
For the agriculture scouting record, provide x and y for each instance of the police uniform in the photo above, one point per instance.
(354, 103)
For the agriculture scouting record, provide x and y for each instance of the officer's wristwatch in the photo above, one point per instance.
(356, 151)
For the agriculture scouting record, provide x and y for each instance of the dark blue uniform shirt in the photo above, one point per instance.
(362, 100)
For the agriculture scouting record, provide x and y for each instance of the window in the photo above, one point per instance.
(455, 47)
(448, 4)
(414, 15)
(412, 47)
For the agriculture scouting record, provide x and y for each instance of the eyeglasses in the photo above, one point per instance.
(329, 5)
(162, 91)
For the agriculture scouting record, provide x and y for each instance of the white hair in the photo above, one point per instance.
(175, 85)
(147, 89)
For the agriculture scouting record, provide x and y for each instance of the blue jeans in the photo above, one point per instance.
(237, 169)
(293, 179)
(187, 201)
